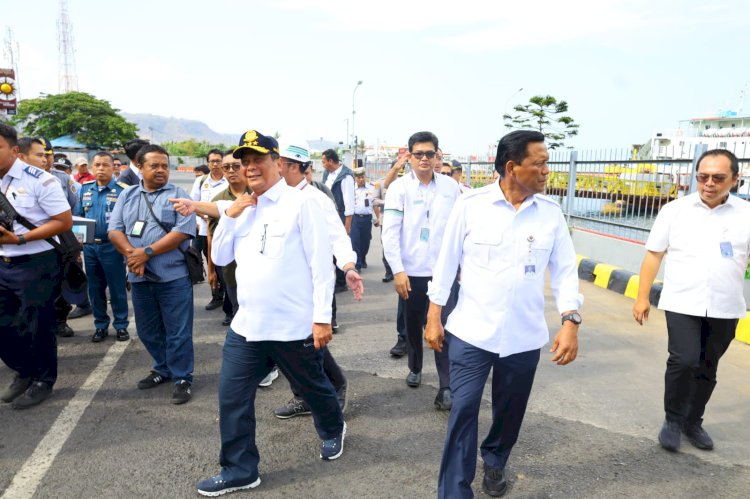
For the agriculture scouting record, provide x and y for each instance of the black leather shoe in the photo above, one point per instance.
(123, 335)
(669, 436)
(79, 312)
(444, 401)
(364, 265)
(388, 278)
(35, 394)
(214, 304)
(399, 349)
(494, 482)
(99, 335)
(16, 388)
(414, 379)
(698, 436)
(64, 331)
(227, 320)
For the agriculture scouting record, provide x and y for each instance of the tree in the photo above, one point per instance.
(545, 114)
(192, 148)
(91, 121)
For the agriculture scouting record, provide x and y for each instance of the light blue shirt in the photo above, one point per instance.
(131, 207)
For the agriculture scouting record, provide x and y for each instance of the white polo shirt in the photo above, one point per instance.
(707, 253)
(283, 254)
(205, 191)
(503, 254)
(36, 195)
(414, 221)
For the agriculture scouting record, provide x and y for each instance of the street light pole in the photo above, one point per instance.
(505, 108)
(346, 137)
(353, 113)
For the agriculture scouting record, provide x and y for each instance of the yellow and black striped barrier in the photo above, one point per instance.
(626, 283)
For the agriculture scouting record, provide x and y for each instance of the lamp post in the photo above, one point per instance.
(346, 137)
(505, 107)
(353, 113)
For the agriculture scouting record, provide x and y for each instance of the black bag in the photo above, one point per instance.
(192, 256)
(74, 282)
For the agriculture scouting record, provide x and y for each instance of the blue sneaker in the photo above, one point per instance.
(216, 486)
(333, 448)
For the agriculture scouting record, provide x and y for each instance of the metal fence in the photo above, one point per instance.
(606, 191)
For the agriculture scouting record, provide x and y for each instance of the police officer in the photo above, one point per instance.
(105, 266)
(30, 275)
(361, 232)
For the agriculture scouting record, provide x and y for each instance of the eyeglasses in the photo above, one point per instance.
(704, 177)
(215, 162)
(445, 173)
(422, 154)
(290, 164)
(231, 166)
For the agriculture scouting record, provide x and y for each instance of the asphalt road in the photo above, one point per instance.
(590, 430)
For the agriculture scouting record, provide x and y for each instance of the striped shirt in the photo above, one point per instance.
(131, 207)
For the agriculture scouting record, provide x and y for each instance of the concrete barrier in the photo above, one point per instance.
(626, 283)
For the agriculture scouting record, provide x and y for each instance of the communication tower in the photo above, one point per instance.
(67, 78)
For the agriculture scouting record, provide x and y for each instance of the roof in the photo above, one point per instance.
(67, 142)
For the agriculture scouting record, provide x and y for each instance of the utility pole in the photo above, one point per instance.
(67, 77)
(11, 52)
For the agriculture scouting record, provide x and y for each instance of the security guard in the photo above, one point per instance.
(361, 232)
(30, 275)
(105, 266)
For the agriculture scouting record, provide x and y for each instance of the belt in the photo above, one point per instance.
(101, 241)
(363, 216)
(27, 258)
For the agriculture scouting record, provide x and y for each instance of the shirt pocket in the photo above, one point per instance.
(86, 205)
(23, 201)
(485, 250)
(168, 217)
(542, 249)
(272, 244)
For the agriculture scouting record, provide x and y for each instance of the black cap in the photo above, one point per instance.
(62, 164)
(47, 144)
(256, 142)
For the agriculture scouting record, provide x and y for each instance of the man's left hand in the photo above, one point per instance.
(7, 237)
(356, 284)
(322, 334)
(565, 344)
(137, 257)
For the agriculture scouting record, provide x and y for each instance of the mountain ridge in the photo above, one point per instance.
(160, 129)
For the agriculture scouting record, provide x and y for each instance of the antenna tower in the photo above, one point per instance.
(10, 51)
(67, 78)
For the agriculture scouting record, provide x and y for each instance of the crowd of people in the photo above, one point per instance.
(468, 268)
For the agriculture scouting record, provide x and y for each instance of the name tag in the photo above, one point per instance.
(726, 249)
(424, 234)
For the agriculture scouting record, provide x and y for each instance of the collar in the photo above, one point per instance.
(730, 201)
(274, 192)
(302, 184)
(214, 183)
(337, 170)
(135, 170)
(498, 195)
(16, 171)
(141, 187)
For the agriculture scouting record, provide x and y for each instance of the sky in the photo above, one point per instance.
(626, 68)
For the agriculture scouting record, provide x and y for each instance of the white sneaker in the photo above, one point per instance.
(269, 377)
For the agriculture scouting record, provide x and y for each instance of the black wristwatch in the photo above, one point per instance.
(574, 317)
(149, 251)
(21, 239)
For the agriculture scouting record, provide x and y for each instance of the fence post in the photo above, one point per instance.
(699, 150)
(571, 185)
(468, 173)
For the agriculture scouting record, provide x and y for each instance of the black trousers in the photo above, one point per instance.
(27, 337)
(695, 346)
(332, 370)
(415, 315)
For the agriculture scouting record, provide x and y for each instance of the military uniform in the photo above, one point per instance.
(30, 277)
(105, 266)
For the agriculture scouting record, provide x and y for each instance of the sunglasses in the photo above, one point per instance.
(445, 173)
(231, 166)
(422, 154)
(704, 177)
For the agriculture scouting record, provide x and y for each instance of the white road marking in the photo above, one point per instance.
(26, 481)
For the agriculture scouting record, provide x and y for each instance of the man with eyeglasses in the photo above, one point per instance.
(116, 167)
(152, 236)
(235, 174)
(417, 207)
(706, 239)
(204, 189)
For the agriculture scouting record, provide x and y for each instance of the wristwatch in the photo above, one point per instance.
(149, 251)
(21, 239)
(574, 317)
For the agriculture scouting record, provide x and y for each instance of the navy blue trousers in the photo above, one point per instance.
(27, 315)
(164, 319)
(245, 364)
(512, 379)
(105, 268)
(361, 235)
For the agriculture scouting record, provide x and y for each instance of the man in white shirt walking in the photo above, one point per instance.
(503, 236)
(283, 234)
(706, 239)
(417, 207)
